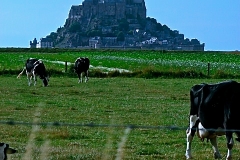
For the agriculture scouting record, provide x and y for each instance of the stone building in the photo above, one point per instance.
(106, 9)
(33, 44)
(45, 43)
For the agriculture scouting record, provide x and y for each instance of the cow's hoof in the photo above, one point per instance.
(229, 158)
(217, 155)
(189, 156)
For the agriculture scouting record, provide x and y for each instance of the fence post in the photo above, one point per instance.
(208, 69)
(66, 67)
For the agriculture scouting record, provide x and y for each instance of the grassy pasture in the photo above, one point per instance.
(113, 101)
(222, 64)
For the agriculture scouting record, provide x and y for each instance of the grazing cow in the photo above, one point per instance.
(81, 66)
(34, 68)
(214, 111)
(4, 150)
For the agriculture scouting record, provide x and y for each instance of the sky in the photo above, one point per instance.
(215, 23)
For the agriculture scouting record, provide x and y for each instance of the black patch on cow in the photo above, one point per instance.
(40, 70)
(217, 105)
(30, 64)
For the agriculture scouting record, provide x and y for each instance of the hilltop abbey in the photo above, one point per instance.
(115, 24)
(114, 9)
(106, 14)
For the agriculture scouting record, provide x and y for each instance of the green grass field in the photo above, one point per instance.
(110, 101)
(157, 63)
(96, 115)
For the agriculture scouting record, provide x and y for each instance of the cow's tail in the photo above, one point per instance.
(21, 72)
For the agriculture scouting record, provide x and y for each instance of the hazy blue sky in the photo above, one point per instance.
(215, 23)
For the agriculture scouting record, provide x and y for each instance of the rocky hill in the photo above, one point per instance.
(117, 24)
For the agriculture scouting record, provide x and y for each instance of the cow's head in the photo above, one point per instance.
(4, 150)
(45, 81)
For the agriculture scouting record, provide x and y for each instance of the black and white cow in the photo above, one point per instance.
(81, 66)
(214, 111)
(4, 150)
(35, 67)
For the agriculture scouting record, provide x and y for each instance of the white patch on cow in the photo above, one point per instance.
(202, 133)
(229, 154)
(192, 119)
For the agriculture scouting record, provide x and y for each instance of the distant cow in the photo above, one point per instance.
(4, 150)
(81, 66)
(34, 68)
(214, 111)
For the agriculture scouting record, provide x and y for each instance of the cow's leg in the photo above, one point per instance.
(229, 145)
(217, 154)
(190, 134)
(29, 78)
(35, 80)
(29, 81)
(79, 77)
(86, 76)
(45, 81)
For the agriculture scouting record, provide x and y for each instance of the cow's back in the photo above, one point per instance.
(82, 64)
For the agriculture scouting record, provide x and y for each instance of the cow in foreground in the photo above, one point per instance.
(4, 150)
(34, 68)
(214, 111)
(81, 66)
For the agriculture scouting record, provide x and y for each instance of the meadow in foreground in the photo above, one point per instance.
(116, 102)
